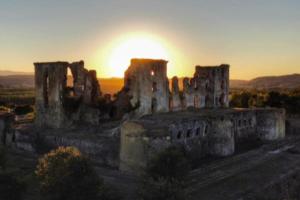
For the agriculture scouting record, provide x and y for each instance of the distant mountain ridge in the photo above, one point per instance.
(113, 85)
(12, 73)
(268, 82)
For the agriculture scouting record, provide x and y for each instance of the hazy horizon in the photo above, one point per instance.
(257, 38)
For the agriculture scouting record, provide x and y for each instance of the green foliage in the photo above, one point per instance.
(290, 100)
(17, 96)
(165, 176)
(240, 100)
(65, 174)
(10, 187)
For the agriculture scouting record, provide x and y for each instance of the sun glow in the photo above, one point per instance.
(135, 46)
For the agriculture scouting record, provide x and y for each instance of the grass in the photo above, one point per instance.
(17, 96)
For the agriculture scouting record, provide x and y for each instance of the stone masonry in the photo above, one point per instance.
(149, 114)
(53, 97)
(148, 84)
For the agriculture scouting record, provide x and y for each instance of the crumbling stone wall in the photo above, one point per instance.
(50, 82)
(146, 86)
(56, 104)
(79, 77)
(213, 82)
(271, 124)
(188, 93)
(214, 132)
(208, 88)
(244, 125)
(176, 103)
(147, 83)
(85, 83)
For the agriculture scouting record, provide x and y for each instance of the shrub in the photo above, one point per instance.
(65, 174)
(170, 164)
(165, 175)
(10, 187)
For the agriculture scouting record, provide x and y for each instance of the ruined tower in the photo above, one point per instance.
(212, 86)
(58, 105)
(50, 82)
(147, 82)
(176, 104)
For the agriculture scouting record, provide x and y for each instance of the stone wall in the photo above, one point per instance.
(147, 83)
(209, 88)
(58, 105)
(211, 132)
(271, 124)
(50, 84)
(137, 146)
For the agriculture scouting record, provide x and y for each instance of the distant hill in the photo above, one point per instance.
(12, 73)
(112, 85)
(269, 82)
(17, 81)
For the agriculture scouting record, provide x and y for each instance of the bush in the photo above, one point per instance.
(170, 164)
(165, 176)
(10, 187)
(65, 174)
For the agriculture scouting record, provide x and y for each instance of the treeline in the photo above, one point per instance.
(289, 99)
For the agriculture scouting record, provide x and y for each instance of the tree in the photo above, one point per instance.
(165, 176)
(170, 164)
(65, 174)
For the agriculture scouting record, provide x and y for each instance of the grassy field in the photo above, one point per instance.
(10, 97)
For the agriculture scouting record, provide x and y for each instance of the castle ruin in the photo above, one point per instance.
(146, 116)
(56, 104)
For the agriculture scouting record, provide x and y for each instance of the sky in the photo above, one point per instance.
(257, 37)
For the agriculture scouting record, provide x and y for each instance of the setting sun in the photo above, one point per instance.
(135, 46)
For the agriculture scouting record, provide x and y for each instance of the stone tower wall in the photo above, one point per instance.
(50, 81)
(147, 82)
(54, 98)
